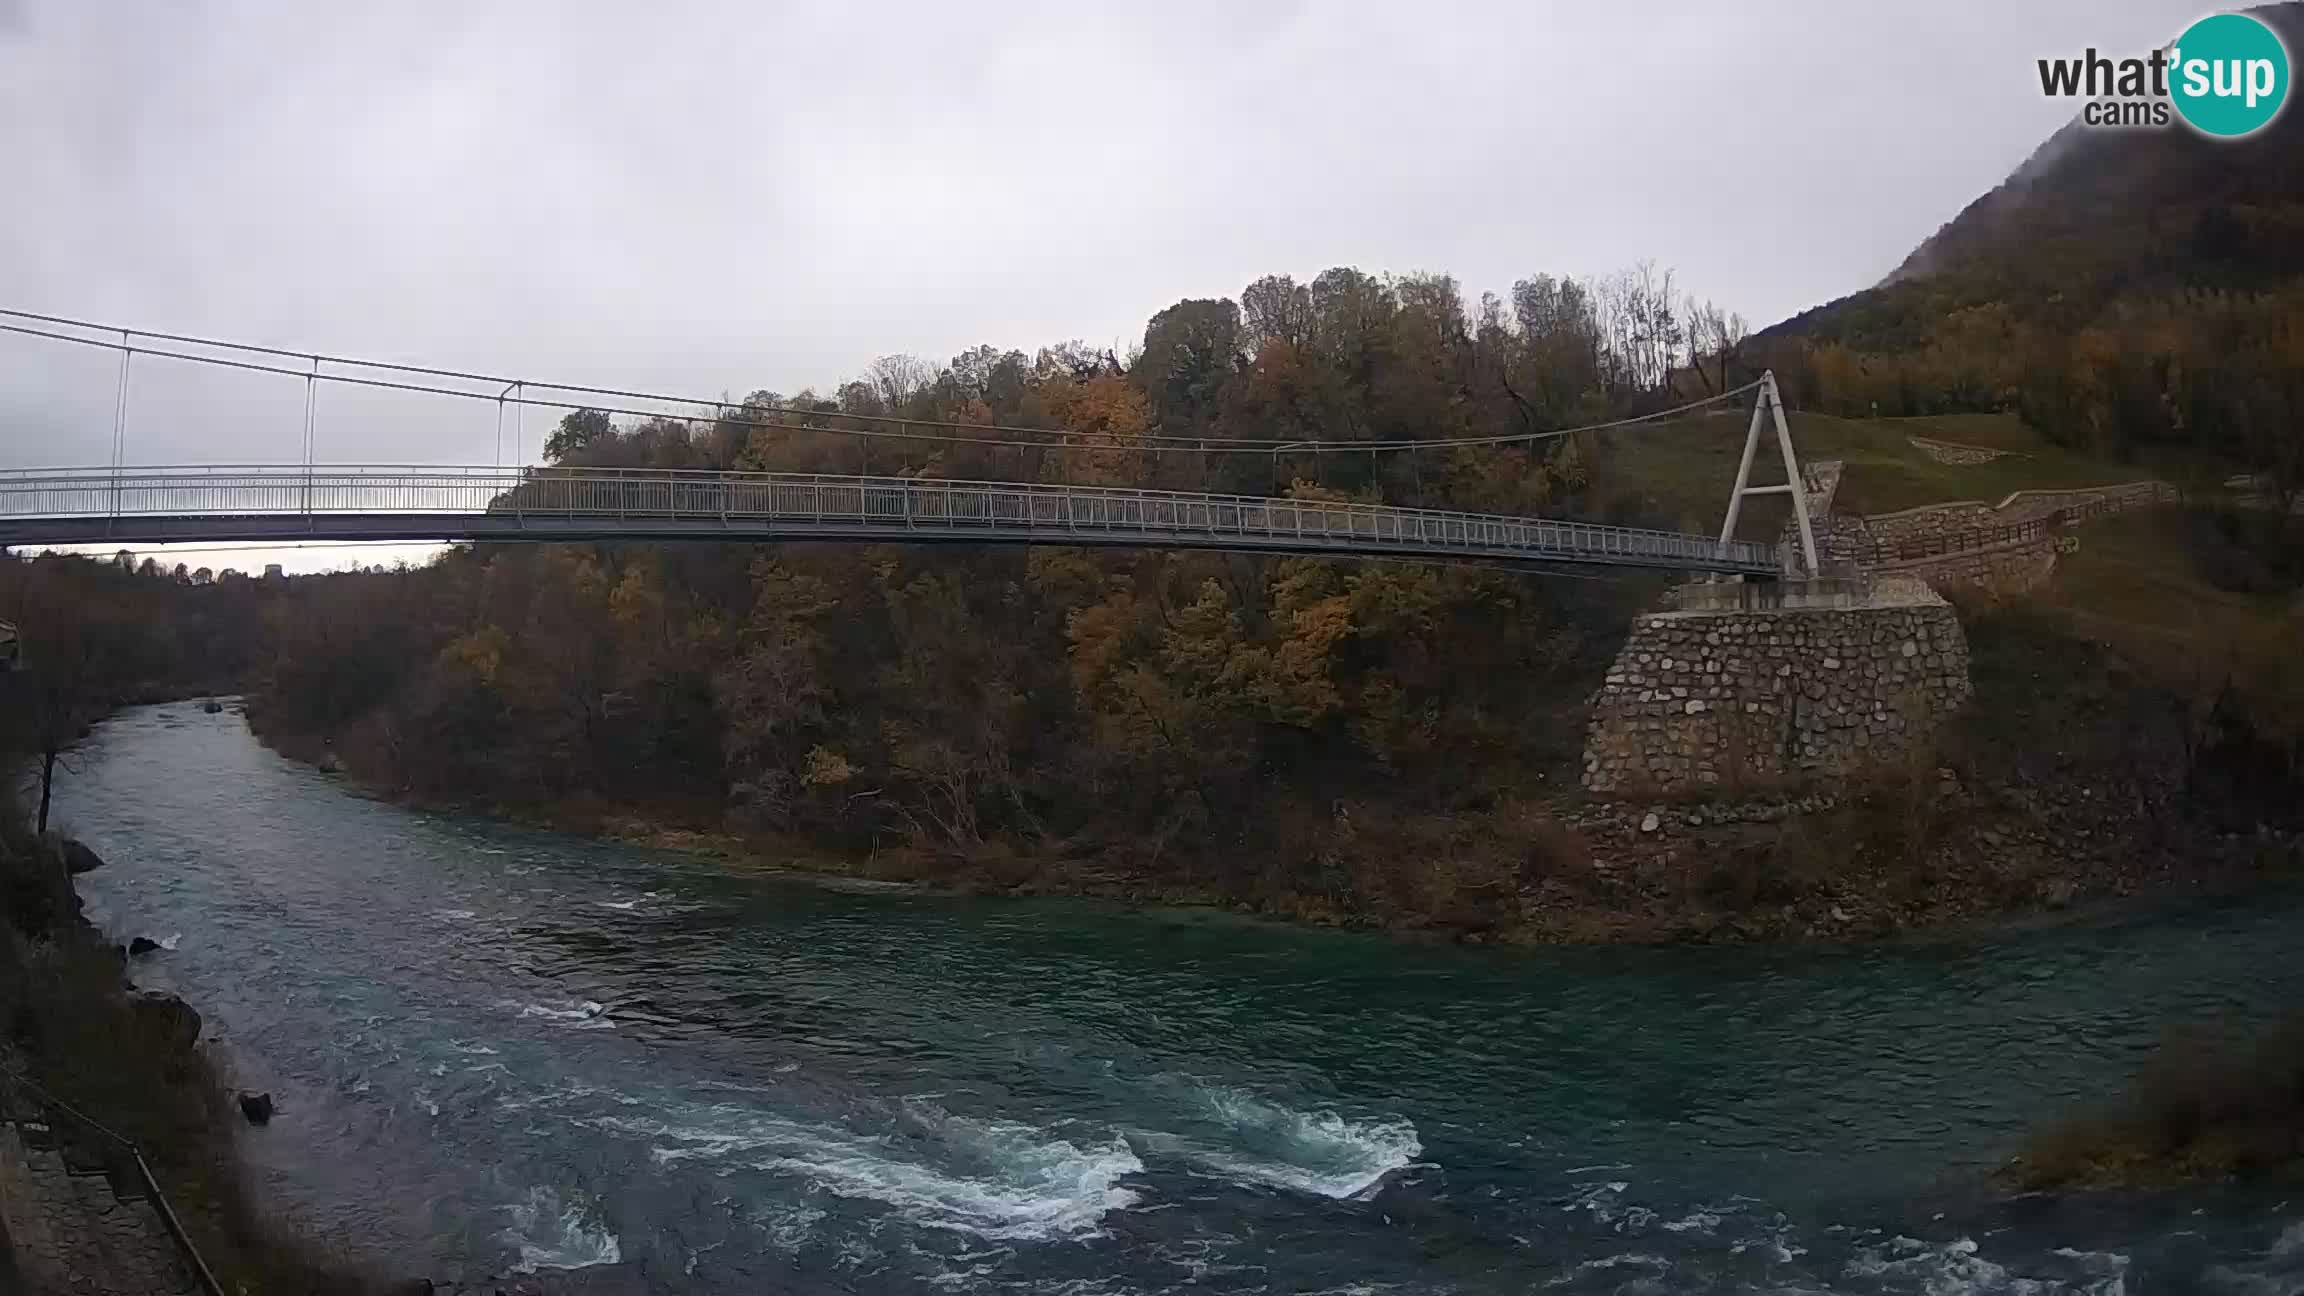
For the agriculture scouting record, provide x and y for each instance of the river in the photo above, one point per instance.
(497, 1049)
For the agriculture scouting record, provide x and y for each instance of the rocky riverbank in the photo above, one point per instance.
(78, 1027)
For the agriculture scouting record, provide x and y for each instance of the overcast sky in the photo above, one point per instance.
(733, 194)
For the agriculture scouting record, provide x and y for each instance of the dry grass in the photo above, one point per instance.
(2204, 1108)
(2134, 585)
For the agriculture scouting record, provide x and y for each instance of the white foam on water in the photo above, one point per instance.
(2108, 1270)
(1603, 1200)
(968, 1270)
(453, 915)
(168, 942)
(1276, 1146)
(1002, 1180)
(789, 1228)
(1700, 1221)
(1628, 1260)
(1958, 1268)
(587, 1012)
(574, 1091)
(549, 1233)
(2290, 1241)
(626, 906)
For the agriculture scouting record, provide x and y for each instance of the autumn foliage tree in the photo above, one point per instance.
(1198, 714)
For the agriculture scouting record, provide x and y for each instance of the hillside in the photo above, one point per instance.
(2095, 216)
(2122, 289)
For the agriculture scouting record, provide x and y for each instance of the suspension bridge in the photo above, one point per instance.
(125, 503)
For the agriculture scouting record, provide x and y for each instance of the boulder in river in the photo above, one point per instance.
(329, 764)
(256, 1107)
(175, 1021)
(79, 859)
(212, 707)
(142, 945)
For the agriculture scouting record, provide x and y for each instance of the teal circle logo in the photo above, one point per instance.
(2228, 75)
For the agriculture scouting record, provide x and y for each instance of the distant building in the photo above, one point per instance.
(272, 572)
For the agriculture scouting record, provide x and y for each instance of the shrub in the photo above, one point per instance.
(2203, 1108)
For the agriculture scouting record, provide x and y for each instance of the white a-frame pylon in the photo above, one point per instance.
(1769, 405)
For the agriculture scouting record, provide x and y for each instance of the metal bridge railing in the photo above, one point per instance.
(853, 504)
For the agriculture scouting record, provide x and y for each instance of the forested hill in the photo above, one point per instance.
(2124, 287)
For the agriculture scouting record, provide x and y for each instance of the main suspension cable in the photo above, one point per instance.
(748, 414)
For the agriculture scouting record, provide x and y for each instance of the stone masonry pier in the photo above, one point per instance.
(1745, 685)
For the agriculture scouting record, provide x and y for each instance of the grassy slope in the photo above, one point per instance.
(2133, 587)
(1678, 473)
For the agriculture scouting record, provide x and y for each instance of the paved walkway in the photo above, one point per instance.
(67, 1235)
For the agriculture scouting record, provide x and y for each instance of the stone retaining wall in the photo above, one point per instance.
(2011, 566)
(2016, 567)
(2020, 506)
(1932, 520)
(1761, 698)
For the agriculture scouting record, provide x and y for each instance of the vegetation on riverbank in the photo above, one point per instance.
(96, 635)
(2134, 793)
(2204, 1108)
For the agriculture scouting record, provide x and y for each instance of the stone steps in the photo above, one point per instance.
(69, 1231)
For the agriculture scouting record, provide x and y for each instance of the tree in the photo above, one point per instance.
(1191, 350)
(1276, 308)
(899, 381)
(1713, 335)
(578, 429)
(79, 645)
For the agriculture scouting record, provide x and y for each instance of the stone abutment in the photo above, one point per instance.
(1736, 686)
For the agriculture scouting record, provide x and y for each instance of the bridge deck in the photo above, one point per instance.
(159, 505)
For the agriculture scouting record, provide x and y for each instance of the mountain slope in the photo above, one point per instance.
(2126, 291)
(2095, 216)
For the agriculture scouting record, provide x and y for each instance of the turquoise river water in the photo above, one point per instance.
(500, 1050)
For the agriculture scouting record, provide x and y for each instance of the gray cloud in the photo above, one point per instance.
(724, 195)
